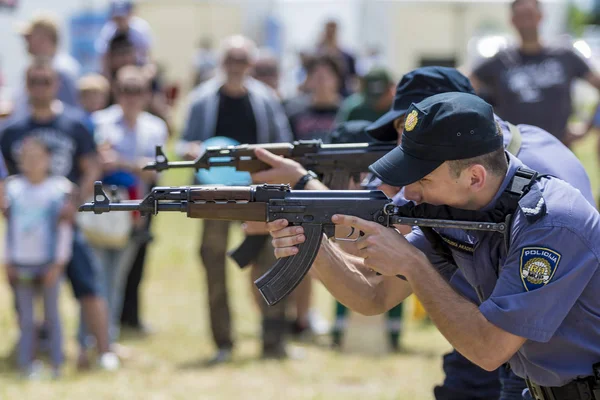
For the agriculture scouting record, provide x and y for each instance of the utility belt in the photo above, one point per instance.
(587, 388)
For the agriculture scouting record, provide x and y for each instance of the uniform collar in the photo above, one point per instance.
(513, 164)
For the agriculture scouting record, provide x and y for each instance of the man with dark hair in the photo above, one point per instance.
(531, 83)
(549, 251)
(329, 44)
(312, 116)
(123, 21)
(536, 147)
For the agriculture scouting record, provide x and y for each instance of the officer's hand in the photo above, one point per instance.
(283, 170)
(285, 238)
(192, 150)
(251, 228)
(384, 250)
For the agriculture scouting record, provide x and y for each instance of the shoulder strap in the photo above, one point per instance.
(515, 141)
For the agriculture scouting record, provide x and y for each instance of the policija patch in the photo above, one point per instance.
(538, 265)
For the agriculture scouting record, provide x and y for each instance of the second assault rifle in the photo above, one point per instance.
(311, 209)
(335, 164)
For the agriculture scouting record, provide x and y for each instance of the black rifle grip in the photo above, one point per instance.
(283, 277)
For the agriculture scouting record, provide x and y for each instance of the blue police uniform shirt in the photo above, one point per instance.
(545, 288)
(544, 153)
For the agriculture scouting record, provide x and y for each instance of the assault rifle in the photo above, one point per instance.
(335, 164)
(312, 209)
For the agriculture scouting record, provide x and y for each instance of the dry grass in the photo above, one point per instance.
(167, 365)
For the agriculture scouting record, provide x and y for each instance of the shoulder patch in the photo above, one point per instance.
(537, 267)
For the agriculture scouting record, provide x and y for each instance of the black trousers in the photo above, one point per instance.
(130, 315)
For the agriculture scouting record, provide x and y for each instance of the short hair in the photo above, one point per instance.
(93, 83)
(239, 42)
(494, 162)
(119, 42)
(328, 61)
(517, 2)
(266, 64)
(45, 21)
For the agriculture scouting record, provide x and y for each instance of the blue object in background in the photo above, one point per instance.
(273, 35)
(222, 175)
(84, 29)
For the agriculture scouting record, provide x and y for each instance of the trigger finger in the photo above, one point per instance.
(276, 225)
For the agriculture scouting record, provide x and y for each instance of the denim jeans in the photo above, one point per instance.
(114, 267)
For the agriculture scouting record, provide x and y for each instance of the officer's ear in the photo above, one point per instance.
(477, 175)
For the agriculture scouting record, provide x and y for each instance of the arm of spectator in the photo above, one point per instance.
(160, 108)
(91, 171)
(190, 145)
(64, 249)
(282, 131)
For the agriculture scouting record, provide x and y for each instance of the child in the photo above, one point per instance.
(93, 96)
(38, 246)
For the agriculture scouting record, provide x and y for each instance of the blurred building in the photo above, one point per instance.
(408, 33)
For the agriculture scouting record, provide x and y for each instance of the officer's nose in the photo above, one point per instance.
(413, 193)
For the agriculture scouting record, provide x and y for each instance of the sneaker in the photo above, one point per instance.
(109, 361)
(220, 357)
(319, 326)
(34, 371)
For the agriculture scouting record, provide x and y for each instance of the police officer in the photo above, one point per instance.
(536, 284)
(535, 147)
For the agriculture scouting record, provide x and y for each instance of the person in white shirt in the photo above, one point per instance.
(38, 247)
(127, 137)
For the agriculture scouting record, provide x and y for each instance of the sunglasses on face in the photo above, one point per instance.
(132, 90)
(39, 81)
(236, 60)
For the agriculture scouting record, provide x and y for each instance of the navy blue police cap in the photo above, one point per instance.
(414, 87)
(443, 127)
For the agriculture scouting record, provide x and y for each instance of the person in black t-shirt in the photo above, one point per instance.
(73, 154)
(531, 83)
(313, 116)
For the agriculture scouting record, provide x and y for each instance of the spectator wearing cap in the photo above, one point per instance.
(235, 105)
(123, 21)
(312, 116)
(42, 36)
(374, 99)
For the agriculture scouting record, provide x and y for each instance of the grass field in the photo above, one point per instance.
(168, 364)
